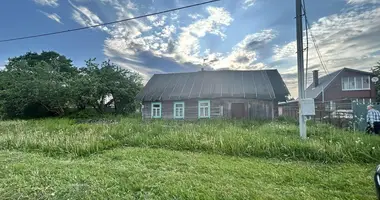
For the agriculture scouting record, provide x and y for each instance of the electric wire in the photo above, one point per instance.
(107, 23)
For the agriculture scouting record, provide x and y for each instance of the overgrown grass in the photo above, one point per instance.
(143, 173)
(57, 137)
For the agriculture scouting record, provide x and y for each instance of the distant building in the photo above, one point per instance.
(344, 84)
(213, 94)
(340, 87)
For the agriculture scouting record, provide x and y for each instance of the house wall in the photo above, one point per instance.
(334, 91)
(220, 108)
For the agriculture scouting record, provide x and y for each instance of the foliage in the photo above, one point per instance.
(59, 62)
(376, 71)
(33, 90)
(47, 84)
(107, 84)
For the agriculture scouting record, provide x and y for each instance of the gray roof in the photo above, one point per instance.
(324, 81)
(259, 84)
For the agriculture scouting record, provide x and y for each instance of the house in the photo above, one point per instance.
(213, 94)
(337, 90)
(342, 85)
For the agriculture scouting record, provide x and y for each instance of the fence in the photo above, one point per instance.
(343, 114)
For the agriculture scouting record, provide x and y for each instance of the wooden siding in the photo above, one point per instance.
(220, 108)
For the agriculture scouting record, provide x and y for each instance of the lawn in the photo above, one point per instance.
(216, 159)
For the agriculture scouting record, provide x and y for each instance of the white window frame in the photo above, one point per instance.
(204, 109)
(362, 80)
(175, 116)
(153, 110)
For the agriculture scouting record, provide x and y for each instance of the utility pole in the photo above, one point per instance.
(301, 73)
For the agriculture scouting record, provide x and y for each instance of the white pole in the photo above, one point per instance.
(301, 73)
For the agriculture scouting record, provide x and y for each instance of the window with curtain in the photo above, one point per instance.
(356, 83)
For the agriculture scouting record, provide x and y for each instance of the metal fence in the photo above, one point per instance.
(343, 114)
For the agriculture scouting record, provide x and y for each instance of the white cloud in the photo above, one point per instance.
(195, 16)
(131, 5)
(52, 3)
(53, 16)
(182, 44)
(248, 3)
(287, 51)
(349, 39)
(244, 54)
(188, 42)
(352, 2)
(85, 17)
(156, 36)
(174, 16)
(157, 21)
(168, 31)
(256, 40)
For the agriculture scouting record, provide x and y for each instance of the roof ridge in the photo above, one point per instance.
(208, 71)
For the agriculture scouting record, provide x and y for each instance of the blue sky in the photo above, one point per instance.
(234, 34)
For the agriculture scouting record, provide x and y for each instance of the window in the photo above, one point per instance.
(345, 84)
(179, 110)
(204, 109)
(156, 110)
(355, 83)
(366, 84)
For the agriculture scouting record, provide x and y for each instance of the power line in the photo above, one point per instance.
(108, 23)
(314, 40)
(318, 51)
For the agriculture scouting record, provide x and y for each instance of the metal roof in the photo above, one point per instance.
(259, 84)
(323, 82)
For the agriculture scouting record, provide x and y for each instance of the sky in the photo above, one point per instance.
(230, 34)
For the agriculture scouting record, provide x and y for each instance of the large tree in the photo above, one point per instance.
(101, 86)
(47, 84)
(36, 85)
(57, 61)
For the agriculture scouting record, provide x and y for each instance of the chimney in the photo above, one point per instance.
(315, 78)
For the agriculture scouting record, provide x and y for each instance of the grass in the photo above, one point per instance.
(211, 159)
(143, 173)
(280, 140)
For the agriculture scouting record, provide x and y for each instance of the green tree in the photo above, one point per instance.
(106, 85)
(37, 91)
(47, 84)
(376, 71)
(36, 85)
(59, 62)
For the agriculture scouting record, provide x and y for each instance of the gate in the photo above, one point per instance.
(360, 115)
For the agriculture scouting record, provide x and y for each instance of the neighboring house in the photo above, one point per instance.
(337, 90)
(213, 94)
(342, 85)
